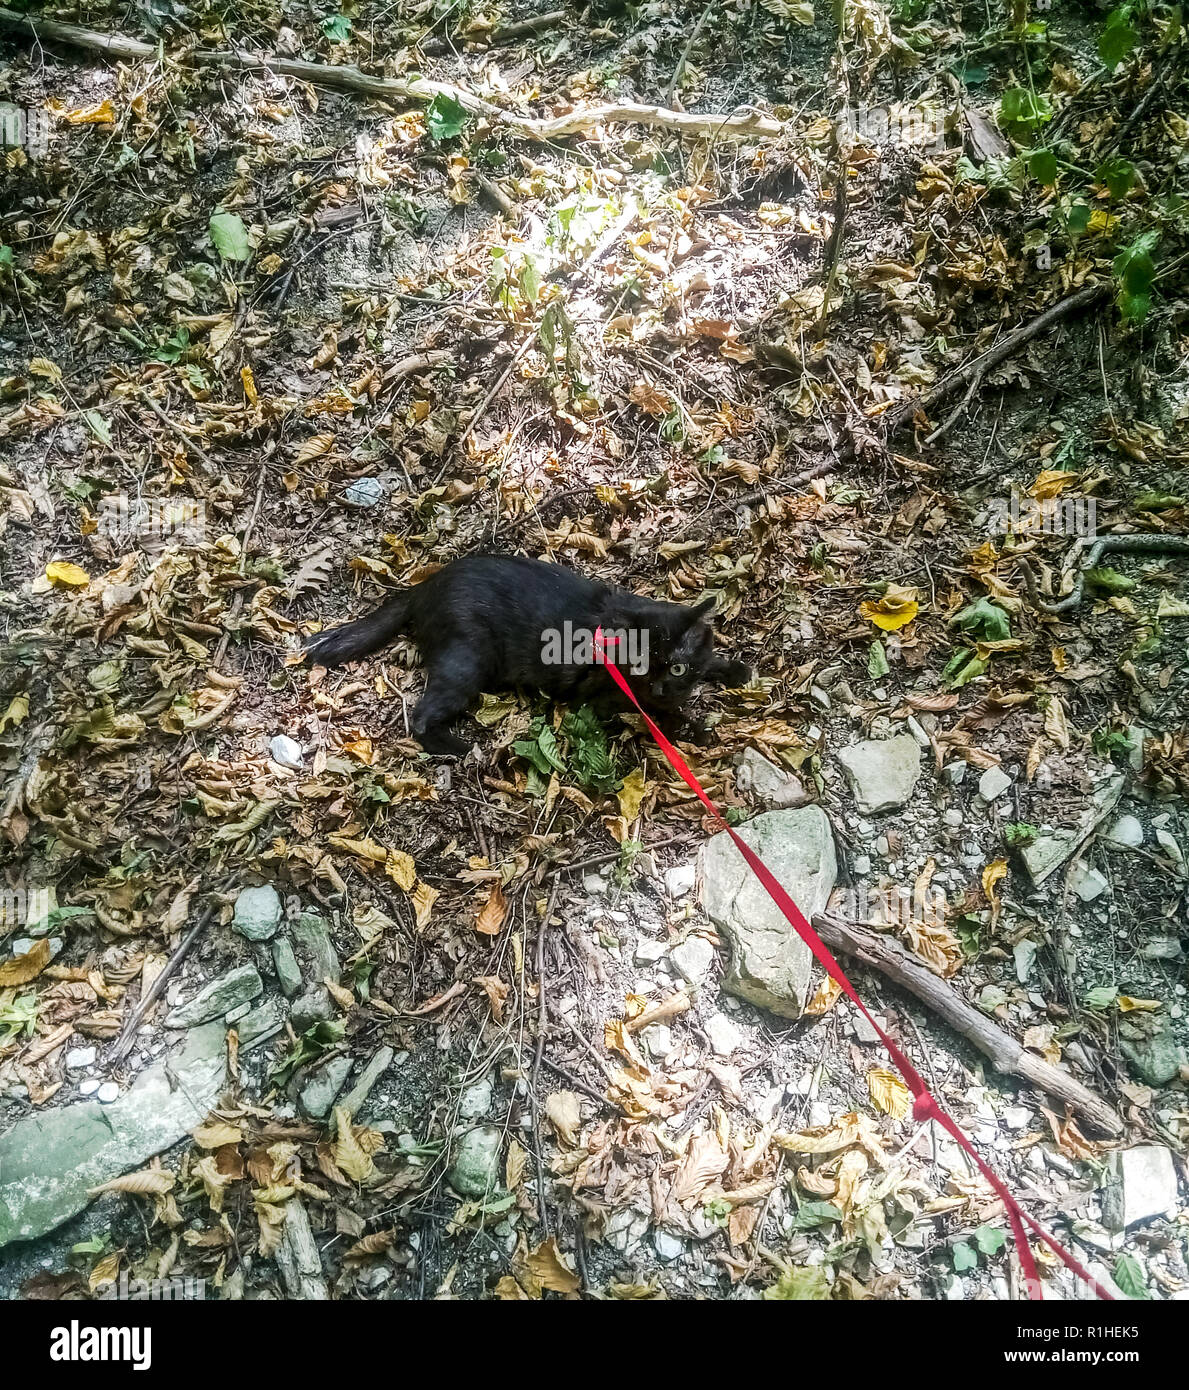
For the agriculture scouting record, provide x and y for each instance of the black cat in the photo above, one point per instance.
(490, 622)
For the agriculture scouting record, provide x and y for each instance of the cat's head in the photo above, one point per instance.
(680, 648)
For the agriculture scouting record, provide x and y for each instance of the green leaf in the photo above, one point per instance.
(1109, 581)
(1018, 106)
(1157, 501)
(814, 1214)
(98, 426)
(984, 619)
(1118, 174)
(445, 118)
(1019, 832)
(1101, 997)
(989, 1239)
(877, 661)
(1042, 165)
(962, 668)
(964, 1257)
(337, 28)
(1129, 1276)
(1078, 217)
(230, 236)
(800, 1285)
(1118, 37)
(1134, 271)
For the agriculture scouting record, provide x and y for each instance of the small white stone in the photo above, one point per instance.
(724, 1036)
(658, 1038)
(819, 1115)
(667, 1247)
(1126, 833)
(79, 1057)
(108, 1092)
(88, 1086)
(953, 817)
(1017, 1117)
(680, 880)
(994, 782)
(693, 958)
(476, 1101)
(285, 750)
(648, 952)
(862, 865)
(1087, 882)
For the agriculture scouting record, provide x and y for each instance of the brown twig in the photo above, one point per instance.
(887, 956)
(157, 988)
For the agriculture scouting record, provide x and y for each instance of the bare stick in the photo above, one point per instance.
(348, 78)
(157, 988)
(1004, 1053)
(895, 419)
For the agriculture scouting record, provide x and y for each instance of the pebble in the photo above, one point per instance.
(79, 1057)
(667, 1247)
(89, 1085)
(108, 1092)
(693, 958)
(285, 750)
(861, 865)
(953, 816)
(1087, 882)
(648, 952)
(724, 1036)
(476, 1101)
(994, 782)
(364, 492)
(1126, 833)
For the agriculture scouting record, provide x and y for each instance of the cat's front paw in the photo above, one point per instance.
(735, 674)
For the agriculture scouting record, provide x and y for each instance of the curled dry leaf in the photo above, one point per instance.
(491, 916)
(149, 1182)
(563, 1113)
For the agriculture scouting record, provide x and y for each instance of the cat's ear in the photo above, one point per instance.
(699, 610)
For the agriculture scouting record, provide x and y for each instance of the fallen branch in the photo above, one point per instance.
(971, 373)
(887, 956)
(349, 78)
(1089, 554)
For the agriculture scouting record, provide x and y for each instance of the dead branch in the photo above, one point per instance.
(970, 373)
(1004, 1053)
(348, 78)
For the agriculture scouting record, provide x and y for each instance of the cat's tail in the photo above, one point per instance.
(364, 636)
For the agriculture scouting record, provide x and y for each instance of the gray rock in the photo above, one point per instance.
(1048, 852)
(658, 1039)
(648, 952)
(50, 1159)
(861, 865)
(315, 950)
(1126, 833)
(955, 773)
(107, 1093)
(79, 1057)
(882, 772)
(323, 1085)
(364, 492)
(667, 1247)
(770, 965)
(238, 986)
(314, 1006)
(285, 964)
(476, 1170)
(769, 785)
(1155, 1058)
(1162, 948)
(257, 913)
(693, 958)
(1142, 1184)
(262, 1023)
(234, 1015)
(994, 782)
(379, 1064)
(476, 1101)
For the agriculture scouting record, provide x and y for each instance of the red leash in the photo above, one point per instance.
(925, 1106)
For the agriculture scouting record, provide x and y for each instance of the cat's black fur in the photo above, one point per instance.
(479, 623)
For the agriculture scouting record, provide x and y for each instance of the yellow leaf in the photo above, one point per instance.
(1127, 1005)
(551, 1270)
(827, 995)
(42, 366)
(401, 869)
(631, 794)
(888, 1093)
(424, 898)
(896, 609)
(1056, 724)
(16, 713)
(1052, 483)
(216, 1134)
(561, 1110)
(102, 114)
(992, 874)
(63, 575)
(21, 969)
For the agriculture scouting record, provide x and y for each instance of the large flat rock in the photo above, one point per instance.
(770, 965)
(882, 772)
(50, 1159)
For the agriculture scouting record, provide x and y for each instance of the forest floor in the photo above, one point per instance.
(268, 347)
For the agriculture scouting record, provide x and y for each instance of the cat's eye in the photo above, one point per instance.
(677, 669)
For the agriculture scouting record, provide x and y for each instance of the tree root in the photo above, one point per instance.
(971, 373)
(349, 78)
(1004, 1053)
(1089, 558)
